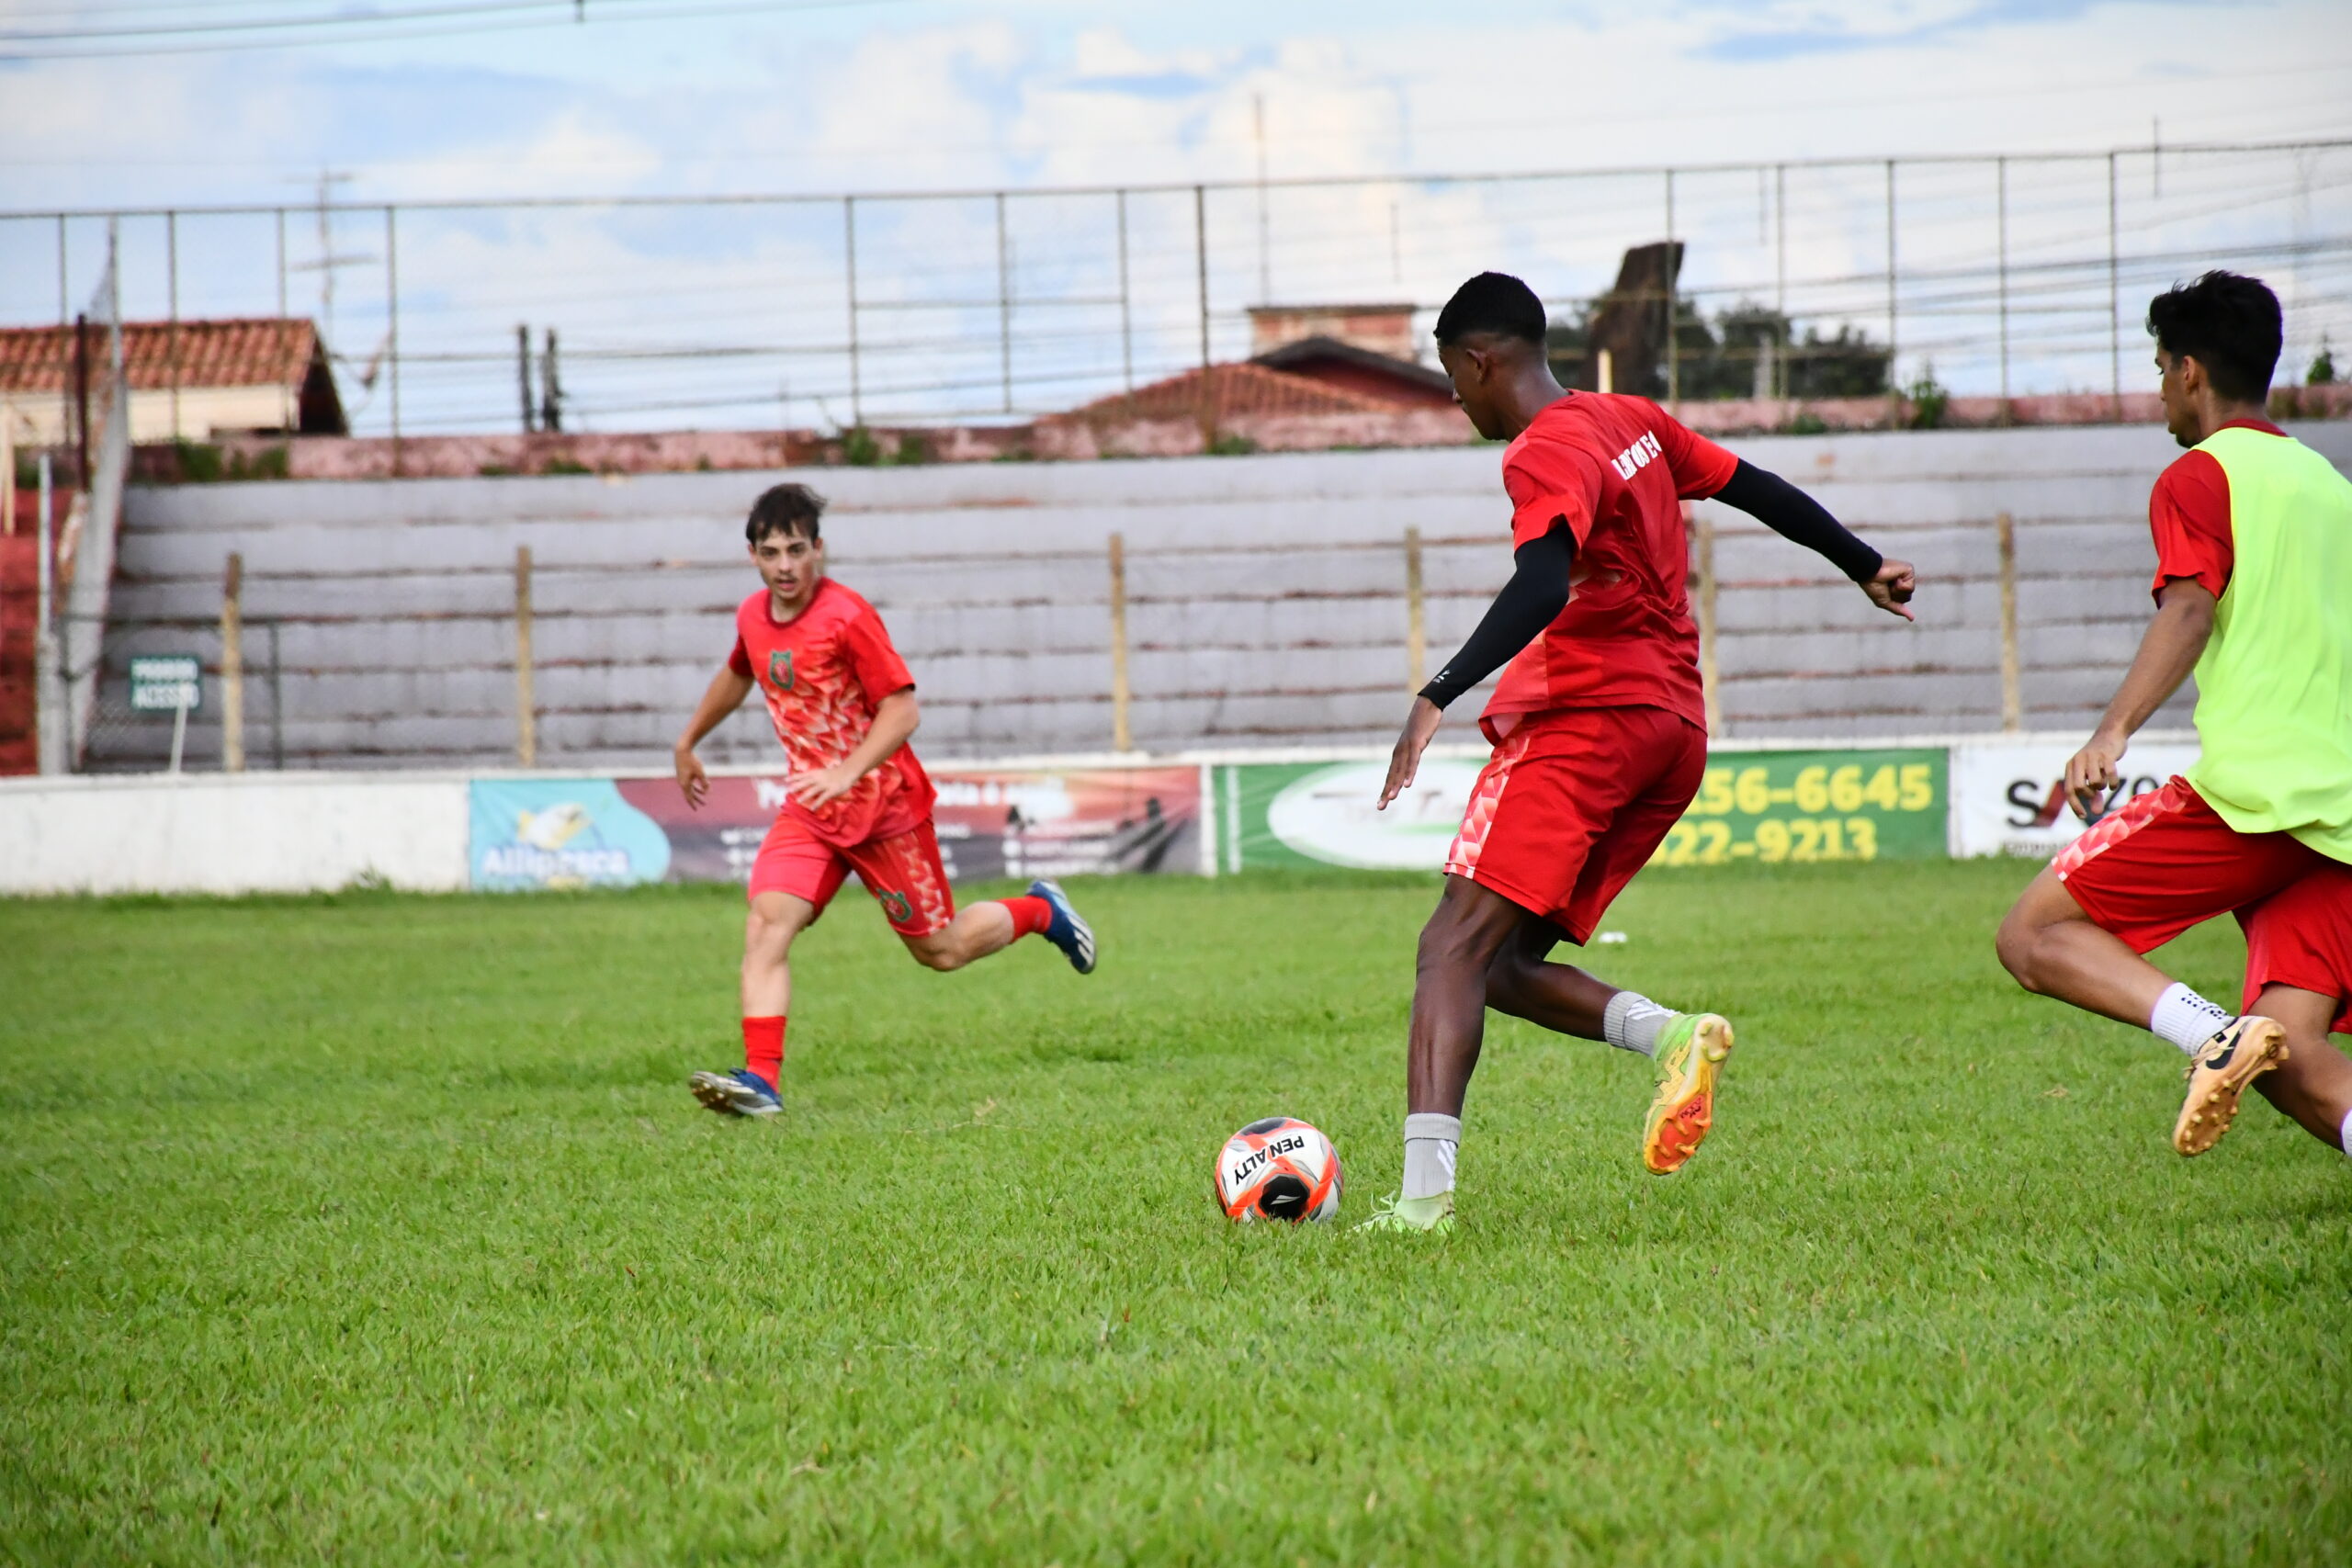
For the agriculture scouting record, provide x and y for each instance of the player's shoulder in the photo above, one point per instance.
(842, 603)
(1576, 423)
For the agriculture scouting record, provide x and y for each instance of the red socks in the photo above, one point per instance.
(764, 1048)
(1030, 915)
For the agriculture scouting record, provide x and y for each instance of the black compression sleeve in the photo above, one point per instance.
(1532, 600)
(1796, 516)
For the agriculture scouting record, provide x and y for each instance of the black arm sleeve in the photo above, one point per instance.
(1796, 516)
(1532, 600)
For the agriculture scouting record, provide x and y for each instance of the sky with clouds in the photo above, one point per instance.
(101, 108)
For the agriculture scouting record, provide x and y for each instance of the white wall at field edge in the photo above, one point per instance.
(249, 833)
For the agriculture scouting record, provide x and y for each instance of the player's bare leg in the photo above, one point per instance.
(2314, 1085)
(982, 929)
(774, 918)
(1458, 948)
(1688, 1048)
(768, 930)
(1558, 997)
(2051, 945)
(2053, 950)
(976, 932)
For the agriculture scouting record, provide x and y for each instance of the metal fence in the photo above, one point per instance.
(1161, 605)
(2007, 274)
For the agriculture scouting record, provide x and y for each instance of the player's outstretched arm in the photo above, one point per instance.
(1796, 516)
(2168, 651)
(722, 696)
(1532, 600)
(895, 718)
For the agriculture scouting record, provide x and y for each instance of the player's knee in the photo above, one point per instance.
(936, 953)
(2014, 943)
(1450, 944)
(1507, 979)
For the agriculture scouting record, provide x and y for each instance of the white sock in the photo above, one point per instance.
(2185, 1018)
(2344, 1134)
(1431, 1142)
(1631, 1022)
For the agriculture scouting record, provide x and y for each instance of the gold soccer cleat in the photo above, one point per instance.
(2239, 1051)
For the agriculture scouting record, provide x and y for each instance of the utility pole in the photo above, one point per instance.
(328, 263)
(551, 389)
(523, 376)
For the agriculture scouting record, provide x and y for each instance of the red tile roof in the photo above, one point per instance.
(253, 351)
(1232, 390)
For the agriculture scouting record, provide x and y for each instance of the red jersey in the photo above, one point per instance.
(1618, 470)
(823, 674)
(2188, 511)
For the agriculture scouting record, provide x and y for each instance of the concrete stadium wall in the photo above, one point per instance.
(197, 833)
(1266, 594)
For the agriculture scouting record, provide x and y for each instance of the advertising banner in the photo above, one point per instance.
(526, 833)
(2009, 796)
(1059, 823)
(1753, 805)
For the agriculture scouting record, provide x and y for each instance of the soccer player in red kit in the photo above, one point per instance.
(1599, 726)
(843, 704)
(2253, 594)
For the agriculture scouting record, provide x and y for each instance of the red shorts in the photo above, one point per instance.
(2301, 936)
(1574, 803)
(2167, 862)
(903, 873)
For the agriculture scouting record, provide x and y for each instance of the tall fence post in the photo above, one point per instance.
(171, 281)
(233, 667)
(1703, 537)
(2114, 304)
(1416, 627)
(1673, 287)
(1122, 737)
(527, 713)
(277, 702)
(1893, 387)
(49, 707)
(1206, 410)
(2001, 204)
(1005, 302)
(849, 260)
(1126, 324)
(392, 327)
(2005, 533)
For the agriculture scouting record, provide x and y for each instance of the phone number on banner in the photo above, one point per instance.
(1774, 838)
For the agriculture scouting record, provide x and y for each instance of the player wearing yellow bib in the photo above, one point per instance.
(2254, 593)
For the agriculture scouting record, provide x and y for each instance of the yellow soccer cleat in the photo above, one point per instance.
(1690, 1053)
(2239, 1051)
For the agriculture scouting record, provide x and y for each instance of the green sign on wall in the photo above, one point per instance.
(1767, 806)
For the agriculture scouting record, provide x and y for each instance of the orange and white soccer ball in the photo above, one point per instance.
(1279, 1168)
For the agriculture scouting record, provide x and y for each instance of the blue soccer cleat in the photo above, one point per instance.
(1066, 931)
(739, 1093)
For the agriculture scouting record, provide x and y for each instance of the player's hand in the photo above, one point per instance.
(1891, 589)
(817, 790)
(692, 783)
(2091, 772)
(1405, 761)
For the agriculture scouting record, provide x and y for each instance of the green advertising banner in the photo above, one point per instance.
(1767, 806)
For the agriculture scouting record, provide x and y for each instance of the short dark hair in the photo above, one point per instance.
(786, 510)
(2228, 323)
(1492, 303)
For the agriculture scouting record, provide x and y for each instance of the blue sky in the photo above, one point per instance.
(674, 96)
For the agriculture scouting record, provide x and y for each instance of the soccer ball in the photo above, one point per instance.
(1279, 1168)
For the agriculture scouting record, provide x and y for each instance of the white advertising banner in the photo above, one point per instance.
(2009, 795)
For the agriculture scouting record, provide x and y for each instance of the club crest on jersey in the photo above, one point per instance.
(1636, 457)
(780, 668)
(896, 907)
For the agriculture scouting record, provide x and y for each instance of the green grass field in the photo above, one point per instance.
(375, 1228)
